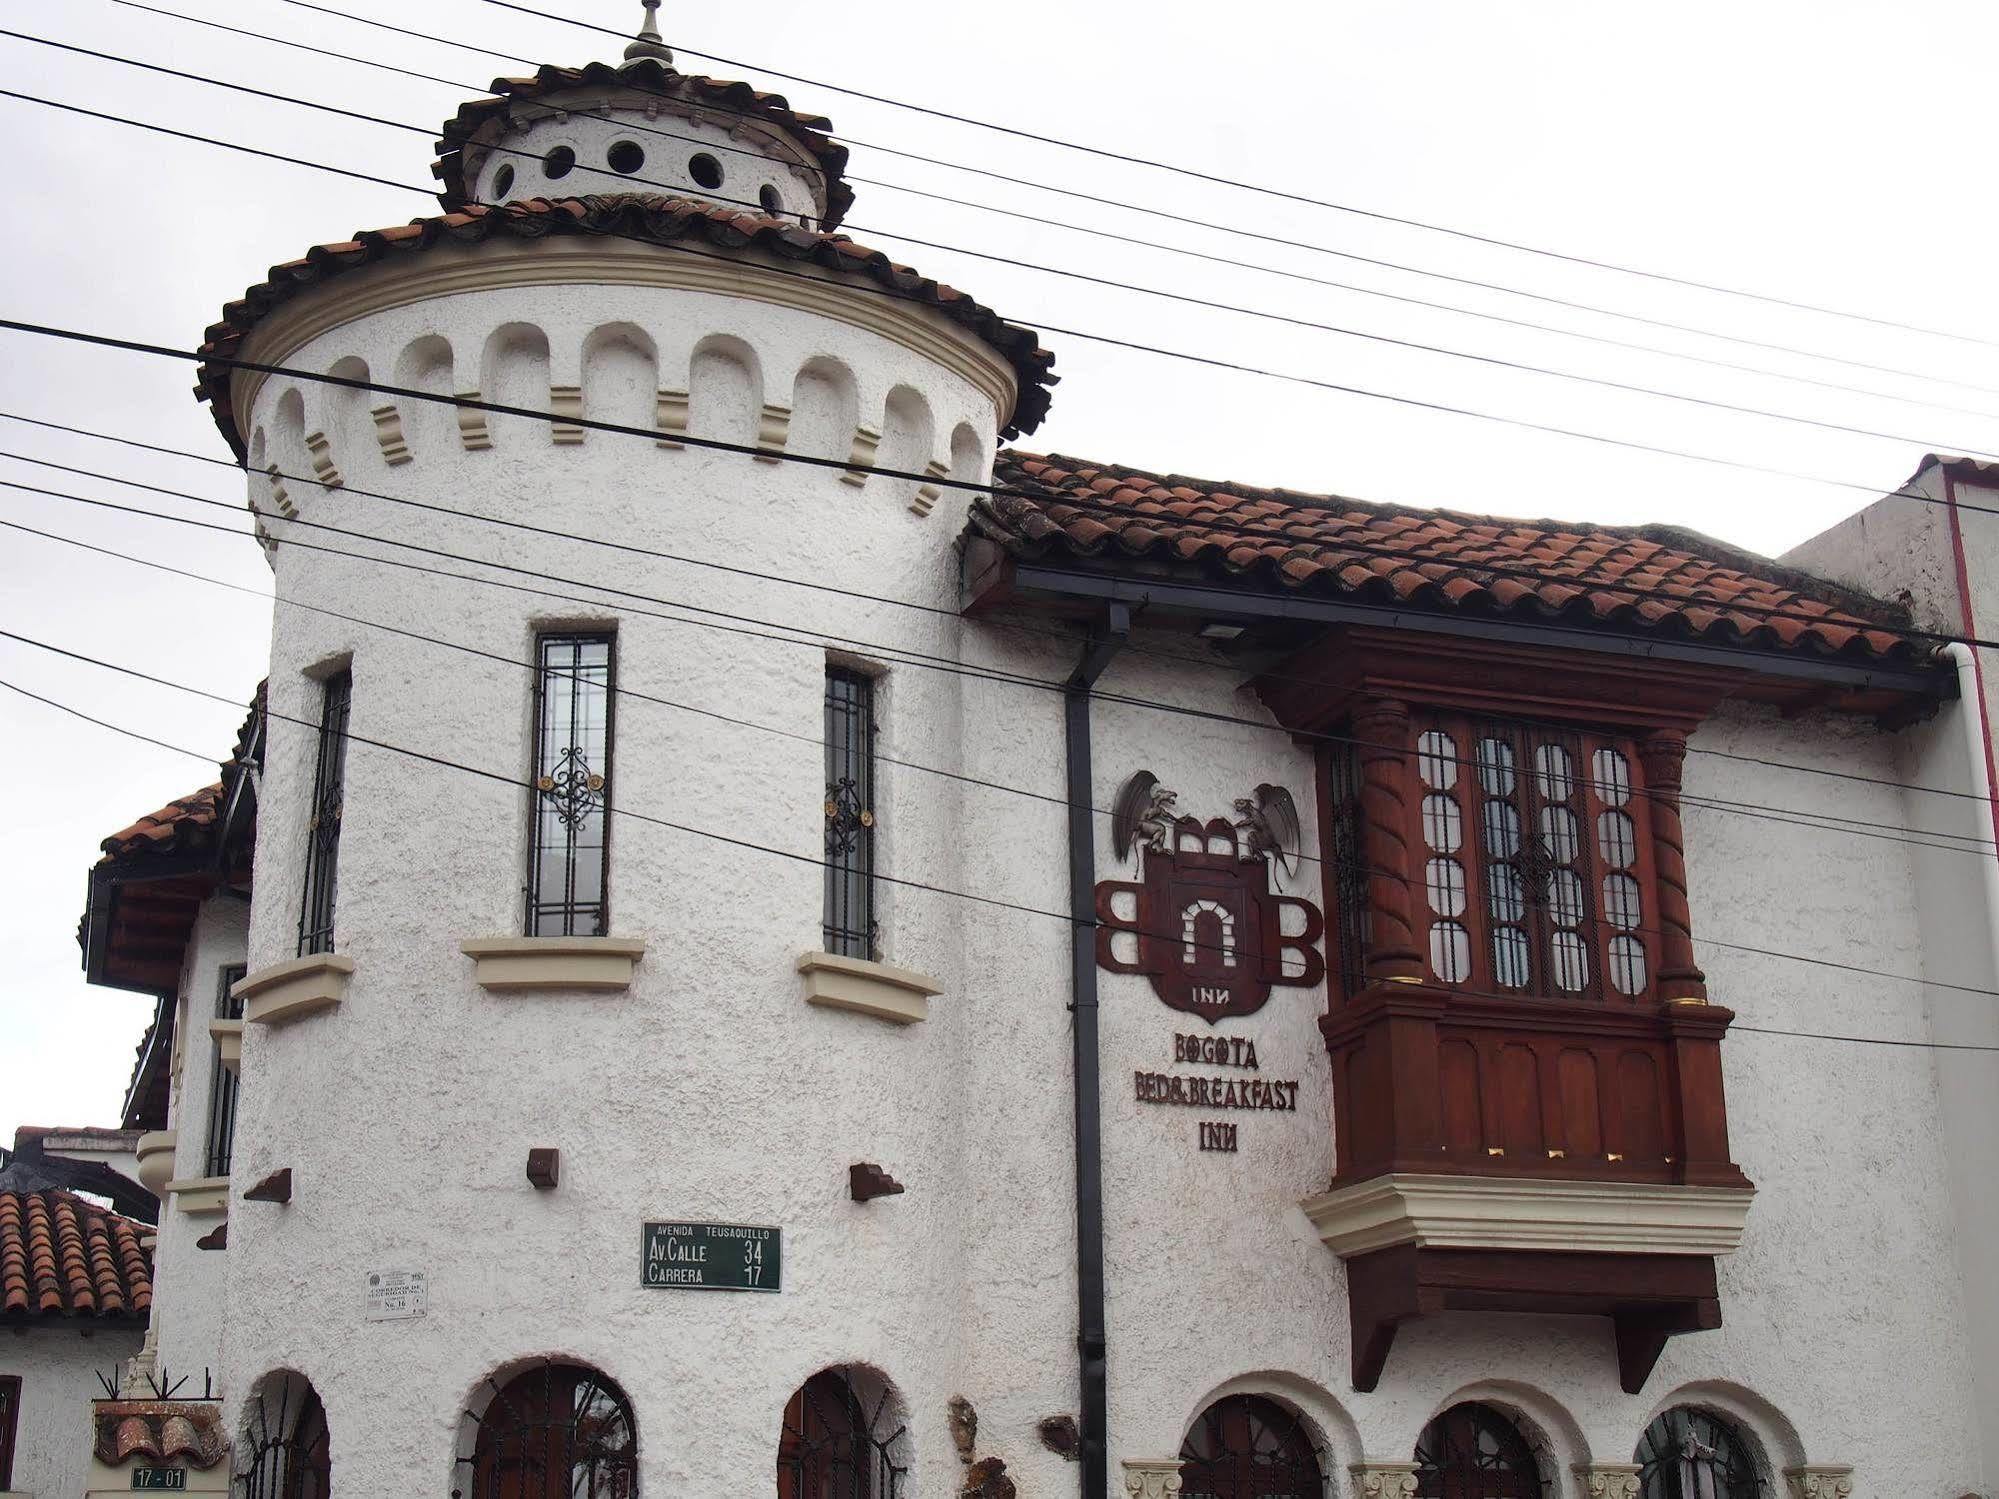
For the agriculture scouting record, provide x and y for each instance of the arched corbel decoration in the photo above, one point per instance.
(838, 1443)
(1474, 1451)
(1249, 1447)
(1687, 1453)
(284, 1453)
(552, 1431)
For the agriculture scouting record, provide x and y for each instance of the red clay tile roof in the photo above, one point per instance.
(645, 76)
(1646, 579)
(175, 827)
(63, 1257)
(645, 217)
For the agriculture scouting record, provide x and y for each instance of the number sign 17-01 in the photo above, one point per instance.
(711, 1257)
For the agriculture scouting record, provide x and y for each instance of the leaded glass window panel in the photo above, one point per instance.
(571, 792)
(849, 924)
(329, 797)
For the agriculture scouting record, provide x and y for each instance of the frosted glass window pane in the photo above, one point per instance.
(1437, 759)
(1446, 881)
(1554, 773)
(1450, 951)
(1559, 832)
(1627, 965)
(1443, 827)
(1620, 901)
(1495, 767)
(1616, 839)
(1502, 830)
(1569, 961)
(1612, 776)
(1503, 895)
(1565, 898)
(1509, 957)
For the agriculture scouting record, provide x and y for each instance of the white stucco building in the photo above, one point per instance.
(682, 986)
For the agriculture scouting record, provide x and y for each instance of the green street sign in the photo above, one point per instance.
(711, 1257)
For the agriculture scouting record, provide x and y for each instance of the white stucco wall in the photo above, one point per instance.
(189, 1282)
(58, 1368)
(709, 1090)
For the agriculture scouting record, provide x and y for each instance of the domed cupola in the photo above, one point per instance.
(643, 127)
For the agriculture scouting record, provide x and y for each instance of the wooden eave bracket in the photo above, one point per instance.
(866, 1181)
(1648, 1297)
(277, 1187)
(216, 1238)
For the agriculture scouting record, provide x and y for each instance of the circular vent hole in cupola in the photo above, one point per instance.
(558, 161)
(767, 195)
(503, 182)
(625, 157)
(706, 171)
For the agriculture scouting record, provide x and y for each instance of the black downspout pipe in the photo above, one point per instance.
(1090, 1339)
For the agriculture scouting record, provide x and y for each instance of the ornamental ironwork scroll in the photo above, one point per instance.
(1209, 929)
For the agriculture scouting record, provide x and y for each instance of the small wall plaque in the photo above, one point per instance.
(394, 1295)
(711, 1257)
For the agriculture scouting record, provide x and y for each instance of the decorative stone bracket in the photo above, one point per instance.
(1819, 1481)
(287, 991)
(1607, 1480)
(1152, 1477)
(156, 1159)
(1380, 1480)
(200, 1196)
(878, 989)
(514, 964)
(228, 1036)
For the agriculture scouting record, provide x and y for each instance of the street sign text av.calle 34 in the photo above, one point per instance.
(711, 1257)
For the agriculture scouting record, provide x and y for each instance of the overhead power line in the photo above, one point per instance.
(616, 809)
(1289, 320)
(1278, 193)
(900, 655)
(1168, 246)
(815, 584)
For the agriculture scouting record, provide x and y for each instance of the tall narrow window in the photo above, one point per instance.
(571, 800)
(10, 1416)
(322, 854)
(222, 1082)
(849, 923)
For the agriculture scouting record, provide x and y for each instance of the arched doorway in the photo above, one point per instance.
(1249, 1447)
(1474, 1451)
(837, 1442)
(284, 1453)
(553, 1431)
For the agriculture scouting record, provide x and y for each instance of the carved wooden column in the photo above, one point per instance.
(1381, 727)
(1663, 755)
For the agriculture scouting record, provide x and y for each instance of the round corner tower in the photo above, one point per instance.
(545, 843)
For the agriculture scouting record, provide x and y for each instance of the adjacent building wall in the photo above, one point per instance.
(58, 1367)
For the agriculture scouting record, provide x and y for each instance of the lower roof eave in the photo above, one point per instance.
(1019, 583)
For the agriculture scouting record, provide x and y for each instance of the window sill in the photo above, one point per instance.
(301, 986)
(893, 994)
(512, 964)
(155, 1151)
(1484, 1212)
(200, 1196)
(228, 1036)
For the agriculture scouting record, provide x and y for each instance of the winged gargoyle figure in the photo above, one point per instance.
(1143, 813)
(1271, 818)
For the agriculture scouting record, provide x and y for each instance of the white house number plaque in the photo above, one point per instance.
(395, 1295)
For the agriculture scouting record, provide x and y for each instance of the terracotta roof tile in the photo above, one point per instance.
(478, 123)
(174, 827)
(61, 1256)
(1653, 579)
(649, 218)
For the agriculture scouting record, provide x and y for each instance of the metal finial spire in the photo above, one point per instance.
(649, 42)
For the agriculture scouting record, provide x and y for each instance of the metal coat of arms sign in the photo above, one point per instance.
(1209, 929)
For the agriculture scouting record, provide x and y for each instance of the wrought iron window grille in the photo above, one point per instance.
(554, 1431)
(1248, 1447)
(285, 1453)
(222, 1083)
(322, 857)
(1692, 1454)
(1474, 1451)
(10, 1419)
(833, 1446)
(849, 926)
(569, 803)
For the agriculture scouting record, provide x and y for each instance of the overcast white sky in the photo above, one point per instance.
(1828, 151)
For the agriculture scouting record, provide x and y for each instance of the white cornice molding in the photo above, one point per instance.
(1510, 1212)
(448, 270)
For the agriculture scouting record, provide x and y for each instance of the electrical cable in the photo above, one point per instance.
(1271, 192)
(1491, 361)
(615, 809)
(1834, 823)
(1133, 647)
(1184, 251)
(1626, 444)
